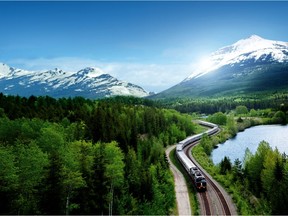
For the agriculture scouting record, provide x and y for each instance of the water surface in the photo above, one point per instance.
(275, 135)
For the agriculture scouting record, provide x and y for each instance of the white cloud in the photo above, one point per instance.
(152, 77)
(64, 63)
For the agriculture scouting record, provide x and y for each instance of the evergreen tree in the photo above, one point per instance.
(52, 198)
(225, 165)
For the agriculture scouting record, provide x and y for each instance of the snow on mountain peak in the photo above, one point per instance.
(4, 70)
(255, 37)
(252, 47)
(7, 71)
(253, 43)
(248, 43)
(91, 72)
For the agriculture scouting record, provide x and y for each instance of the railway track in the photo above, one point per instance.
(215, 200)
(204, 199)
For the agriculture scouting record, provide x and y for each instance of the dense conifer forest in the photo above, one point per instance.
(211, 105)
(78, 156)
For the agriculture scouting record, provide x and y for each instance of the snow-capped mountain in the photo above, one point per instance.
(251, 64)
(252, 48)
(89, 82)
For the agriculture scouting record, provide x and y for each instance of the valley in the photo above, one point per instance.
(105, 105)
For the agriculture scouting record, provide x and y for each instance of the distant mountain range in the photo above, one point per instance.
(88, 82)
(250, 65)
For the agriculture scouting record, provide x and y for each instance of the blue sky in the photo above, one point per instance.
(152, 44)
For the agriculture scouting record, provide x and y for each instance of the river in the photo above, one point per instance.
(275, 135)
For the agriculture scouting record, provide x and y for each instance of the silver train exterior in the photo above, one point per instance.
(196, 175)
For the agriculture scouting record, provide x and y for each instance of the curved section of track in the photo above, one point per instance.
(214, 201)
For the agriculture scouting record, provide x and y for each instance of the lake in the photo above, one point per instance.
(275, 135)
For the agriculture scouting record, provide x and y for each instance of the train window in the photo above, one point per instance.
(194, 169)
(200, 179)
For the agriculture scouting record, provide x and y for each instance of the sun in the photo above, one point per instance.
(205, 64)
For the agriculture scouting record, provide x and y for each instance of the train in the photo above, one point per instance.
(196, 175)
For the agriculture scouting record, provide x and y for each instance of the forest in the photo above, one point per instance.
(211, 105)
(78, 156)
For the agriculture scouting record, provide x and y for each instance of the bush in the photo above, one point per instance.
(279, 117)
(218, 118)
(241, 110)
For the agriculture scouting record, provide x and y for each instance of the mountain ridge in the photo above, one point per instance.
(89, 82)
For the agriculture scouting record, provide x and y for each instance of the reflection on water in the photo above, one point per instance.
(275, 135)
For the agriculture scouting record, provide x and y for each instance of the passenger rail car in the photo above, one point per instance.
(196, 175)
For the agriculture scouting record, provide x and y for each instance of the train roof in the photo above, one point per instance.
(179, 147)
(209, 124)
(188, 163)
(188, 138)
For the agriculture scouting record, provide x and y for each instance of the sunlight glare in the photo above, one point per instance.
(205, 64)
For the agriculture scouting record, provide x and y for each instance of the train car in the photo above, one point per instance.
(179, 147)
(185, 161)
(197, 177)
(212, 131)
(207, 124)
(190, 139)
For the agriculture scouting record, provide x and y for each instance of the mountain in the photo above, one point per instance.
(250, 65)
(88, 82)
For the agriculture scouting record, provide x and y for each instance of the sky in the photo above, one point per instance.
(154, 44)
